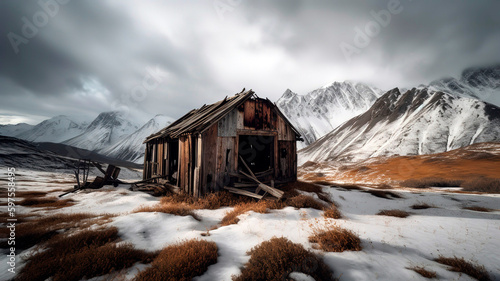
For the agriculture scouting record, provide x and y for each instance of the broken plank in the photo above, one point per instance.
(271, 190)
(242, 192)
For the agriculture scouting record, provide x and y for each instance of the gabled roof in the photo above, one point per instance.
(197, 120)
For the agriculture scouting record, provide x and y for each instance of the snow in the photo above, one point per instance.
(322, 110)
(390, 244)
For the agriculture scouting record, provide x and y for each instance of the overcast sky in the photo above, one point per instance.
(81, 58)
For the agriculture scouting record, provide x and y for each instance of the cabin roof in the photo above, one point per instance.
(197, 120)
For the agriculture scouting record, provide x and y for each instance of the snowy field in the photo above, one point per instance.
(390, 244)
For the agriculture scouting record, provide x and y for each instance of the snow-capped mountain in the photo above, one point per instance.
(322, 110)
(55, 129)
(132, 148)
(420, 121)
(479, 82)
(14, 130)
(105, 131)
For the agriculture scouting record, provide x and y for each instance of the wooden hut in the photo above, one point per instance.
(203, 151)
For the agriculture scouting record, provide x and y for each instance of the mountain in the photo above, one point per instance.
(55, 129)
(479, 82)
(322, 110)
(131, 148)
(104, 131)
(420, 121)
(13, 130)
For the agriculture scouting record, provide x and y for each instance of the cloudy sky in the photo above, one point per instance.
(80, 58)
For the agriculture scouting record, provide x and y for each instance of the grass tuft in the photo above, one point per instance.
(50, 202)
(332, 212)
(275, 259)
(383, 194)
(423, 272)
(394, 213)
(174, 209)
(231, 217)
(336, 239)
(182, 261)
(82, 255)
(478, 209)
(463, 266)
(304, 201)
(421, 206)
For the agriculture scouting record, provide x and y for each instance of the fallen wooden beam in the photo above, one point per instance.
(242, 192)
(271, 190)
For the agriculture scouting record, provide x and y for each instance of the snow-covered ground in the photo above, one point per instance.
(390, 245)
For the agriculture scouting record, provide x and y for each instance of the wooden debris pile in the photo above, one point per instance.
(110, 176)
(254, 185)
(156, 186)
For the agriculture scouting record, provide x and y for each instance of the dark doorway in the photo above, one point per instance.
(173, 157)
(257, 152)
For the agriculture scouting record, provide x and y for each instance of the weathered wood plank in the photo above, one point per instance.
(242, 192)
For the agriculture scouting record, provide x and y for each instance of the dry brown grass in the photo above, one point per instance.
(482, 184)
(278, 257)
(49, 202)
(335, 239)
(431, 182)
(394, 213)
(182, 261)
(383, 194)
(30, 194)
(231, 217)
(211, 201)
(463, 266)
(81, 255)
(304, 201)
(332, 212)
(172, 208)
(421, 206)
(39, 230)
(423, 272)
(478, 209)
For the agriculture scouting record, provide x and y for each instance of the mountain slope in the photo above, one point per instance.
(416, 122)
(14, 130)
(105, 131)
(131, 148)
(479, 82)
(55, 129)
(322, 110)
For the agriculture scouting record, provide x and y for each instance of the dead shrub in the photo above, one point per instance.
(478, 209)
(430, 182)
(482, 184)
(394, 213)
(50, 202)
(423, 272)
(383, 194)
(332, 212)
(231, 217)
(83, 255)
(174, 209)
(336, 239)
(421, 206)
(304, 201)
(33, 232)
(277, 258)
(182, 261)
(463, 266)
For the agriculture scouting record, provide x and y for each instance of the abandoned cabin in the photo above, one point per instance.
(203, 151)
